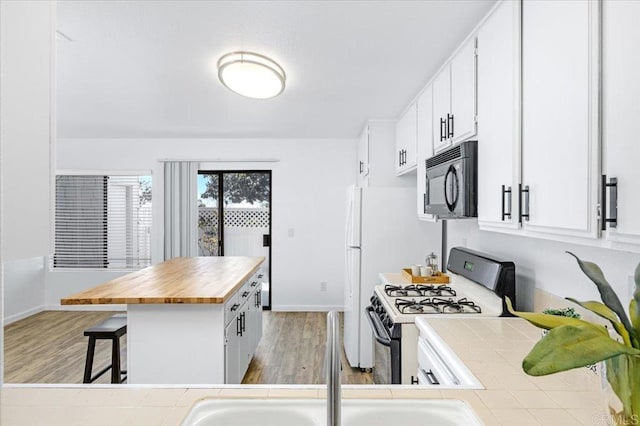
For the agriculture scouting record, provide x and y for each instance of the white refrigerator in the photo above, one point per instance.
(383, 235)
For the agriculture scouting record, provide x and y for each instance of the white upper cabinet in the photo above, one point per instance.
(441, 109)
(362, 166)
(499, 117)
(621, 126)
(560, 117)
(406, 141)
(424, 146)
(454, 99)
(463, 93)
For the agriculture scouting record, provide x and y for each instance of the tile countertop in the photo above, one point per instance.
(493, 348)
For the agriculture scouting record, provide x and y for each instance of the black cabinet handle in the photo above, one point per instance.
(443, 125)
(254, 283)
(243, 323)
(612, 220)
(245, 294)
(521, 204)
(234, 307)
(361, 167)
(506, 192)
(239, 325)
(400, 158)
(449, 126)
(424, 203)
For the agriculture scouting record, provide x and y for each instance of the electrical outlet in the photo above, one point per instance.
(323, 286)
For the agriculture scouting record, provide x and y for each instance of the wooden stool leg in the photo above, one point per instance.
(88, 365)
(115, 360)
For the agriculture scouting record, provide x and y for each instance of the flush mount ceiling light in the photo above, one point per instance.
(251, 74)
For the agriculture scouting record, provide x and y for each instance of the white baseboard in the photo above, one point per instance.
(20, 315)
(307, 308)
(86, 307)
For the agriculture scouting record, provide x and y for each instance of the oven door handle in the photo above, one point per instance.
(379, 330)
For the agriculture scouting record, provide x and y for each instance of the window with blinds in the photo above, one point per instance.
(102, 222)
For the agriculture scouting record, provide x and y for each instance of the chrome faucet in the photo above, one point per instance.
(333, 367)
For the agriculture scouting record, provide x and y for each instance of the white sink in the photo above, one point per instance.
(312, 412)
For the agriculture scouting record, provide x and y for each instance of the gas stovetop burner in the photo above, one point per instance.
(413, 306)
(419, 290)
(436, 305)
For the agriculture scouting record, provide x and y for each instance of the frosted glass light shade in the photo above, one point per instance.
(252, 75)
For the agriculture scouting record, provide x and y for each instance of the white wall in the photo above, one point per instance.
(545, 265)
(309, 194)
(23, 288)
(26, 93)
(27, 37)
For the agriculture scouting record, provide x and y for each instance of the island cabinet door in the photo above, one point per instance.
(232, 352)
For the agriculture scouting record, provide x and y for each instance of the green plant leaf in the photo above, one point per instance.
(608, 296)
(603, 311)
(549, 322)
(635, 317)
(634, 308)
(569, 346)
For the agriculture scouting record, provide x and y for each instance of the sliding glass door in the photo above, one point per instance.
(234, 217)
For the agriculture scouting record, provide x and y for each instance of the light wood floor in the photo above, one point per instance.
(49, 347)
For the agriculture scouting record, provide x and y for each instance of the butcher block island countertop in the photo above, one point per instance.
(179, 280)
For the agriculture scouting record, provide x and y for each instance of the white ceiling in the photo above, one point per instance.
(146, 69)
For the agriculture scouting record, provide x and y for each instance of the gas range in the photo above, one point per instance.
(404, 301)
(479, 284)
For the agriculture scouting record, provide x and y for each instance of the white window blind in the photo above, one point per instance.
(102, 222)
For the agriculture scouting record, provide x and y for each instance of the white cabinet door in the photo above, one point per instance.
(232, 352)
(499, 118)
(256, 321)
(424, 145)
(441, 109)
(362, 167)
(463, 93)
(406, 141)
(559, 128)
(621, 126)
(245, 351)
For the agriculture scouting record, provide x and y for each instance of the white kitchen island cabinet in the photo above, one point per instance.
(180, 316)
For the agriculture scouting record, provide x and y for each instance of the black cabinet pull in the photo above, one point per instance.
(239, 325)
(243, 323)
(361, 167)
(424, 203)
(400, 158)
(443, 125)
(506, 192)
(612, 218)
(521, 204)
(449, 126)
(245, 294)
(414, 380)
(254, 283)
(234, 307)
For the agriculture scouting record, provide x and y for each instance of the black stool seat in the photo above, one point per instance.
(111, 329)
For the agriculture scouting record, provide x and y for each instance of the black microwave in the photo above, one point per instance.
(452, 189)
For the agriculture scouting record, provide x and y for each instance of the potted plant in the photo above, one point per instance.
(573, 342)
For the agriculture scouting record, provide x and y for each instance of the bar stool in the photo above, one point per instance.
(112, 329)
